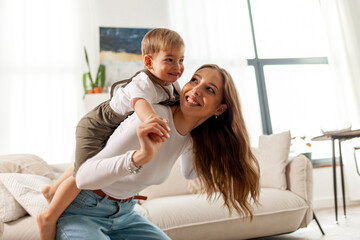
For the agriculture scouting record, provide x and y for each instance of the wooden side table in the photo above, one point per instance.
(340, 136)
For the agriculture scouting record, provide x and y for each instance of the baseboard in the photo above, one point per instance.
(329, 202)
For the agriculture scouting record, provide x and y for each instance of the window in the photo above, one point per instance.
(295, 85)
(288, 29)
(286, 83)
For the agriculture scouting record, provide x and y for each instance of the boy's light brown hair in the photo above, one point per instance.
(158, 39)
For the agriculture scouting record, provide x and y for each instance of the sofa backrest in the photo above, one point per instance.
(175, 184)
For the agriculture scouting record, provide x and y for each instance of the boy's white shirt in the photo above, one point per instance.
(140, 86)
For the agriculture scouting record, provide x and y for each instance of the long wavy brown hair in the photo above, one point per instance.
(223, 158)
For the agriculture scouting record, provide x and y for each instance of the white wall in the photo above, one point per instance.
(130, 13)
(324, 190)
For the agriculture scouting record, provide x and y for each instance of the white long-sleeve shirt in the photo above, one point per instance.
(108, 169)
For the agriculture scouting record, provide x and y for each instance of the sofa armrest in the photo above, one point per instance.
(300, 181)
(299, 177)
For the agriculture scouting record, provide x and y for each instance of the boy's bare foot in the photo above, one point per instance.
(46, 191)
(47, 227)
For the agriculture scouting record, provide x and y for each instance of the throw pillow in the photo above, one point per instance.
(25, 163)
(10, 209)
(272, 155)
(26, 189)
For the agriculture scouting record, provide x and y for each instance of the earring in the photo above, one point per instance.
(216, 116)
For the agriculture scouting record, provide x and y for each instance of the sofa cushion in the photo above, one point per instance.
(25, 163)
(10, 209)
(194, 217)
(26, 189)
(24, 228)
(272, 154)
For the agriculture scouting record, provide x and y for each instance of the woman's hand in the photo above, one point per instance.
(148, 145)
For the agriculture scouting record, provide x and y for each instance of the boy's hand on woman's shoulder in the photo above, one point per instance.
(151, 135)
(163, 123)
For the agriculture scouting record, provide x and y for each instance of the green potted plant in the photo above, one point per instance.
(91, 86)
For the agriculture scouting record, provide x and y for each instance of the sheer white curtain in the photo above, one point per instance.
(41, 63)
(342, 18)
(217, 31)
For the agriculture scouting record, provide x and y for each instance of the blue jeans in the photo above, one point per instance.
(90, 216)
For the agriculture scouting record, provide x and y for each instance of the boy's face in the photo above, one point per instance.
(167, 65)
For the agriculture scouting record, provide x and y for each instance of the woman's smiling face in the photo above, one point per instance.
(201, 97)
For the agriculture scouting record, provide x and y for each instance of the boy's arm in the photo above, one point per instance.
(144, 110)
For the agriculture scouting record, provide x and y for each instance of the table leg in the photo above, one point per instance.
(342, 177)
(334, 178)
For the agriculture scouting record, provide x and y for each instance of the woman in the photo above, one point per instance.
(209, 115)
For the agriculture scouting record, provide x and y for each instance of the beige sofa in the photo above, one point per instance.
(177, 207)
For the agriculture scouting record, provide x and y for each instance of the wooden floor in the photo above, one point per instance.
(348, 227)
